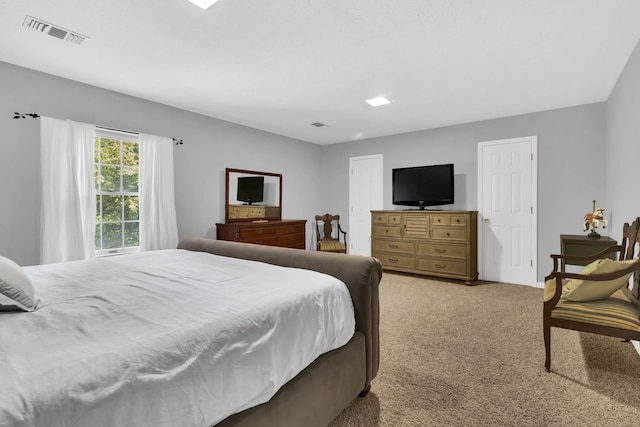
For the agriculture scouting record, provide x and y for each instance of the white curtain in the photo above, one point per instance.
(68, 191)
(158, 225)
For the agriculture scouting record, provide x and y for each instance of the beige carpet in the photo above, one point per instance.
(455, 355)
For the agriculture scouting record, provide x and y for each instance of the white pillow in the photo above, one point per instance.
(16, 291)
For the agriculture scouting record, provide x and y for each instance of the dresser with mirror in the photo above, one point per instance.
(253, 211)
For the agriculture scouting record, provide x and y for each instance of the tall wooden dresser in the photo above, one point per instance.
(288, 233)
(433, 243)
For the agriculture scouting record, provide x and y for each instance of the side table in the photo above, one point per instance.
(581, 245)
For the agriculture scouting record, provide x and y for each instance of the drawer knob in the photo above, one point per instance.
(393, 261)
(441, 251)
(393, 246)
(258, 231)
(441, 266)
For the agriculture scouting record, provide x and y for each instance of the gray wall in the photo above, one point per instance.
(210, 146)
(623, 146)
(585, 153)
(570, 165)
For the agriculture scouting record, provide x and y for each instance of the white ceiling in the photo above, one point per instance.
(280, 65)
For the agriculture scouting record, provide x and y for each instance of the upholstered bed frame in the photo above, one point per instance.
(321, 391)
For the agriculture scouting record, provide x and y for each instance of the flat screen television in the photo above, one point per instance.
(423, 185)
(250, 189)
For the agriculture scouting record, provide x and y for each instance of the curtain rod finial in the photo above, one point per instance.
(17, 115)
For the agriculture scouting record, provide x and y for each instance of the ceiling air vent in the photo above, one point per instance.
(56, 31)
(319, 125)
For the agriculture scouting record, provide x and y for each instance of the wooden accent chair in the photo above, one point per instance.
(324, 235)
(591, 310)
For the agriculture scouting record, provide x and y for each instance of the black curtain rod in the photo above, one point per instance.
(17, 115)
(175, 140)
(25, 115)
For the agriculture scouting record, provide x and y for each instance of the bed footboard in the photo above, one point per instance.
(361, 275)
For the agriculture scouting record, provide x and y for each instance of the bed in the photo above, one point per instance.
(211, 333)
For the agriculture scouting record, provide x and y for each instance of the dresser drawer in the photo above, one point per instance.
(259, 240)
(395, 219)
(449, 219)
(387, 219)
(256, 211)
(233, 212)
(449, 233)
(397, 261)
(381, 231)
(440, 219)
(459, 220)
(290, 240)
(440, 266)
(394, 246)
(442, 250)
(253, 232)
(379, 218)
(290, 229)
(294, 245)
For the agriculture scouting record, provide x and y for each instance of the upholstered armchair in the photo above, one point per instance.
(598, 299)
(325, 234)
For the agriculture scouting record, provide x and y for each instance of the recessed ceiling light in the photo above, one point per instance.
(376, 102)
(203, 3)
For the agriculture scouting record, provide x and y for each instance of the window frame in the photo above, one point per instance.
(100, 193)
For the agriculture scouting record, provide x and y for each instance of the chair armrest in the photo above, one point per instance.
(631, 268)
(601, 254)
(344, 233)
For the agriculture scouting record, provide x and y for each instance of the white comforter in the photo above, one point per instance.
(165, 338)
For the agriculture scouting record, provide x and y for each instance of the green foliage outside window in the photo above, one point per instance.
(117, 202)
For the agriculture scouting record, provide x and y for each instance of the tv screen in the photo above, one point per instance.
(250, 189)
(423, 185)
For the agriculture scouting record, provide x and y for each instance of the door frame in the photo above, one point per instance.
(533, 141)
(352, 225)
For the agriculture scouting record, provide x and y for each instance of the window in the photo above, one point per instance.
(104, 191)
(117, 169)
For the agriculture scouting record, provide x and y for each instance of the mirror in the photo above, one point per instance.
(252, 196)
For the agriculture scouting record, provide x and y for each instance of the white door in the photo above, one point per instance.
(507, 205)
(365, 195)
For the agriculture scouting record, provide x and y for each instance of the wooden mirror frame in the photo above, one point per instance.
(269, 211)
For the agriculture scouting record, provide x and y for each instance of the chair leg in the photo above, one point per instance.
(547, 343)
